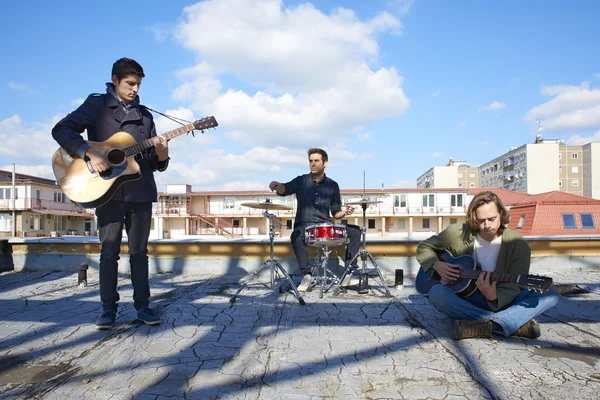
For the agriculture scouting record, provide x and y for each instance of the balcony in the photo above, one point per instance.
(45, 206)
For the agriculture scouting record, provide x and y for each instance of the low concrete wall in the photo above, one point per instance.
(241, 256)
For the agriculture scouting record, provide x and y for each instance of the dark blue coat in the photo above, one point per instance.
(102, 116)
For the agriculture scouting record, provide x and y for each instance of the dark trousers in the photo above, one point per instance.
(137, 218)
(301, 252)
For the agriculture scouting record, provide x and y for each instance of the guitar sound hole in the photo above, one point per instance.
(116, 156)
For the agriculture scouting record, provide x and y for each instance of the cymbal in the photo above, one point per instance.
(364, 202)
(266, 205)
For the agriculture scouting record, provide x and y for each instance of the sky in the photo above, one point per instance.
(389, 88)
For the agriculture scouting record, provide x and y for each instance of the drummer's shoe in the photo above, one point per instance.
(306, 282)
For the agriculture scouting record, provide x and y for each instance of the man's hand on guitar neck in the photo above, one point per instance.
(98, 162)
(162, 148)
(448, 272)
(487, 286)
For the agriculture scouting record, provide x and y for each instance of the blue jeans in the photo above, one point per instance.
(137, 218)
(527, 305)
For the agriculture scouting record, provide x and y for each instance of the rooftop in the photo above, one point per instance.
(267, 346)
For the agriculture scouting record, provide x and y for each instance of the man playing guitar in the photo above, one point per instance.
(102, 115)
(501, 308)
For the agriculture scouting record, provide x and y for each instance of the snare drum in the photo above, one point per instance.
(325, 235)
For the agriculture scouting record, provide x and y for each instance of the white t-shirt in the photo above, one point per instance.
(486, 253)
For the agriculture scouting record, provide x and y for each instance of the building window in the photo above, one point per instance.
(521, 221)
(574, 156)
(60, 197)
(575, 182)
(460, 174)
(575, 170)
(456, 200)
(401, 224)
(371, 224)
(569, 221)
(559, 156)
(425, 223)
(400, 200)
(289, 222)
(471, 175)
(471, 185)
(7, 193)
(559, 183)
(559, 170)
(60, 222)
(5, 219)
(236, 223)
(460, 185)
(428, 200)
(228, 203)
(453, 220)
(587, 221)
(343, 222)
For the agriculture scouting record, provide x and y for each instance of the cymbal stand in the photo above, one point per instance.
(363, 278)
(276, 268)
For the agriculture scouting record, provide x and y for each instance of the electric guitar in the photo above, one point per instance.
(469, 271)
(90, 189)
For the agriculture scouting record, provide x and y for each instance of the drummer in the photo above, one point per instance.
(318, 199)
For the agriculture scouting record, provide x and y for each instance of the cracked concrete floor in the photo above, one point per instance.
(267, 346)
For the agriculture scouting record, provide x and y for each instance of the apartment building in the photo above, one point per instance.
(401, 213)
(456, 174)
(40, 208)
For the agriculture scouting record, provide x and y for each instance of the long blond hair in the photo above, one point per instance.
(481, 199)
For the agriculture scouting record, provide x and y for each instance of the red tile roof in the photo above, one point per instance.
(543, 214)
(508, 197)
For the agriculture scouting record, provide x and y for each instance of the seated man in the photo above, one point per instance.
(317, 197)
(502, 308)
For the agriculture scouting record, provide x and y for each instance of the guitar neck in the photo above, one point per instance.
(149, 143)
(474, 274)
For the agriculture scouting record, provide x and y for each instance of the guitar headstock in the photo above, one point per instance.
(205, 123)
(536, 282)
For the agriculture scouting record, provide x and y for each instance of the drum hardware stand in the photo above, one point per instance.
(363, 278)
(321, 280)
(276, 267)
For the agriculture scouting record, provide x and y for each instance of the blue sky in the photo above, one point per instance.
(386, 87)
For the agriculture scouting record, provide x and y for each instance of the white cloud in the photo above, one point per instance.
(436, 93)
(401, 6)
(572, 108)
(597, 76)
(407, 183)
(313, 70)
(27, 143)
(363, 137)
(41, 171)
(77, 102)
(437, 154)
(19, 87)
(578, 140)
(494, 106)
(160, 31)
(463, 124)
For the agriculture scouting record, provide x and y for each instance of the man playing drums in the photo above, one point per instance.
(318, 197)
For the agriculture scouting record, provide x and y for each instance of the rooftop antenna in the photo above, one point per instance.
(362, 195)
(538, 137)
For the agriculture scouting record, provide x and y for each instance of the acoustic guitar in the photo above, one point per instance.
(90, 189)
(469, 271)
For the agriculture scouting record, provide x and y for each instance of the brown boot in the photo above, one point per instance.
(465, 329)
(530, 330)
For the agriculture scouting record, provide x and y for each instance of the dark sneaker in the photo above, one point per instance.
(465, 329)
(106, 320)
(530, 330)
(148, 316)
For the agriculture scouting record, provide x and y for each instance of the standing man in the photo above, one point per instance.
(317, 197)
(501, 308)
(103, 115)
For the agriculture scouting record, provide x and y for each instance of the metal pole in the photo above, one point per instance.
(14, 219)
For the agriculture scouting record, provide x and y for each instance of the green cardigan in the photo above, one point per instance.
(514, 256)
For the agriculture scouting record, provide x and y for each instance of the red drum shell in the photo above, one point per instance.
(325, 235)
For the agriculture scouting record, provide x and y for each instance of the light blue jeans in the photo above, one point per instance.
(527, 305)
